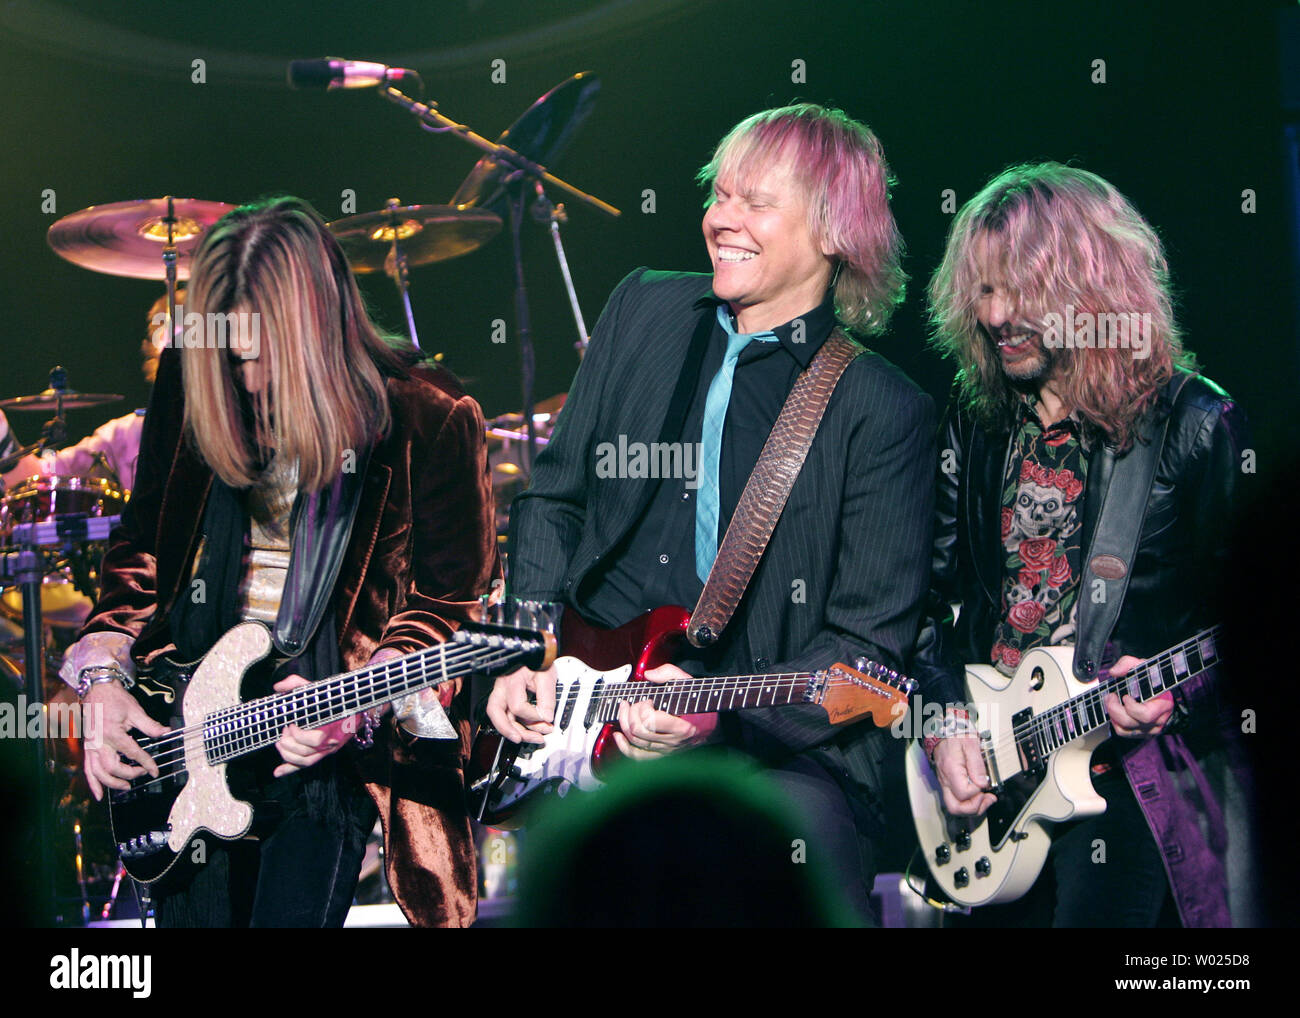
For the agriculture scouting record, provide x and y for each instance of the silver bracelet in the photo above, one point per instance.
(95, 674)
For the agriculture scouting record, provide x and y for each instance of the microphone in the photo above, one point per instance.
(333, 72)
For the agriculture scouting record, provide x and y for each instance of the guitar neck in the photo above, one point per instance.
(255, 724)
(707, 695)
(1086, 712)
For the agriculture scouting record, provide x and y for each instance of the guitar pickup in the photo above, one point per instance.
(1027, 746)
(990, 762)
(592, 704)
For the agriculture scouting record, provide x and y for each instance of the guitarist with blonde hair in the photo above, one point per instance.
(314, 476)
(802, 241)
(1053, 300)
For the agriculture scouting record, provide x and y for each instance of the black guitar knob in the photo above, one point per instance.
(961, 878)
(942, 854)
(982, 866)
(963, 841)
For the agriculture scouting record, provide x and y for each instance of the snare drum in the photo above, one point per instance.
(42, 498)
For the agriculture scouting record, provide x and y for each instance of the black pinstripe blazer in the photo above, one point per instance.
(848, 565)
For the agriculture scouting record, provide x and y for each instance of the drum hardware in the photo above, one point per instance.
(132, 238)
(507, 447)
(400, 237)
(57, 397)
(543, 134)
(25, 566)
(144, 238)
(60, 501)
(506, 173)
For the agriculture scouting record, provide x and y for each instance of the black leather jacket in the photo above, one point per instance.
(1172, 591)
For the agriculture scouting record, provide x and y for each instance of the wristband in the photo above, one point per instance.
(955, 722)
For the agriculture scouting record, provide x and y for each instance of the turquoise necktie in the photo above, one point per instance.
(715, 416)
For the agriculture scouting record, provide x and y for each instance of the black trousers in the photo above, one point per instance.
(302, 874)
(834, 842)
(1102, 872)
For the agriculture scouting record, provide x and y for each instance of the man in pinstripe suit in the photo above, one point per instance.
(801, 238)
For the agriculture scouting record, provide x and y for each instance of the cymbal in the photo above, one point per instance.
(551, 405)
(511, 424)
(542, 134)
(427, 233)
(127, 238)
(49, 400)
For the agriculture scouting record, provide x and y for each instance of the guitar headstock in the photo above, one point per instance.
(525, 631)
(867, 688)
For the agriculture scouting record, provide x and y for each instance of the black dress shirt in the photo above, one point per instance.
(656, 563)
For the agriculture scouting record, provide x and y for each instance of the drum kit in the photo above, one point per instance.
(54, 529)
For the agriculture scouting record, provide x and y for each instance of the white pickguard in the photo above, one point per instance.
(563, 761)
(205, 803)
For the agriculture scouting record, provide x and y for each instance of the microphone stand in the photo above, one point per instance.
(401, 272)
(524, 169)
(546, 211)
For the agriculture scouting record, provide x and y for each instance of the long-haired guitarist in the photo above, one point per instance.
(800, 235)
(299, 468)
(1053, 300)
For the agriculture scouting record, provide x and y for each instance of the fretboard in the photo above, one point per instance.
(1079, 715)
(256, 724)
(704, 695)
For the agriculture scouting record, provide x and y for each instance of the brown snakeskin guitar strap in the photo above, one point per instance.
(768, 487)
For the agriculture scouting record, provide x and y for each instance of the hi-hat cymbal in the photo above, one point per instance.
(127, 238)
(426, 233)
(542, 134)
(49, 400)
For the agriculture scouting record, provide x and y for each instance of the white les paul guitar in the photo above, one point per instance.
(1037, 731)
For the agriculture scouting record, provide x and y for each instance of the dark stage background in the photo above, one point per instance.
(99, 105)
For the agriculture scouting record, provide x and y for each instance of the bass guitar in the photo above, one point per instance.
(1037, 731)
(594, 677)
(162, 826)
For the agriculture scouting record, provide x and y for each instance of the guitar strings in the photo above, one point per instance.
(270, 711)
(382, 670)
(273, 725)
(275, 706)
(1053, 721)
(272, 720)
(176, 755)
(399, 668)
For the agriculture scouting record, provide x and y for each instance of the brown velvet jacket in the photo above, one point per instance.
(422, 549)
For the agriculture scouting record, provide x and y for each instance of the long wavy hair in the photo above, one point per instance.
(1059, 236)
(324, 359)
(841, 168)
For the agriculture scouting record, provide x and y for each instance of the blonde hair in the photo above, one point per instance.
(1062, 237)
(324, 361)
(839, 164)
